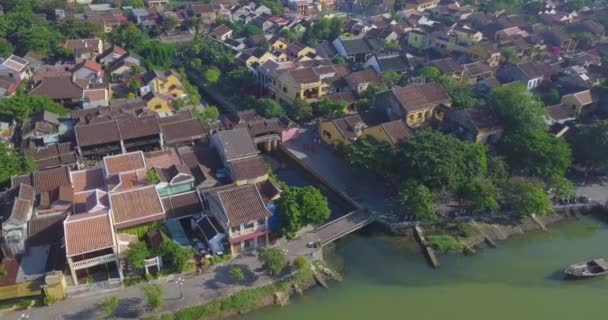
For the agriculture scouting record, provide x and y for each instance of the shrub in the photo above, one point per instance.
(237, 274)
(49, 300)
(465, 230)
(273, 260)
(154, 296)
(109, 306)
(444, 243)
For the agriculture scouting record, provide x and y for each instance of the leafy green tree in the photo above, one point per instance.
(133, 3)
(300, 206)
(109, 306)
(275, 6)
(178, 257)
(137, 253)
(438, 160)
(252, 30)
(41, 40)
(313, 205)
(525, 197)
(158, 55)
(391, 79)
(562, 187)
(552, 97)
(329, 108)
(23, 106)
(129, 36)
(135, 85)
(498, 169)
(371, 154)
(6, 48)
(13, 163)
(508, 55)
(239, 77)
(209, 114)
(237, 274)
(169, 24)
(273, 260)
(419, 199)
(154, 296)
(269, 108)
(152, 176)
(481, 194)
(323, 29)
(178, 104)
(338, 60)
(290, 35)
(536, 153)
(301, 110)
(212, 75)
(517, 108)
(591, 146)
(461, 93)
(430, 73)
(72, 28)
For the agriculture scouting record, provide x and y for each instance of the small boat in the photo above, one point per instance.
(588, 269)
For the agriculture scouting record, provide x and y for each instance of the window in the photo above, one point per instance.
(249, 225)
(285, 89)
(236, 229)
(158, 107)
(261, 222)
(419, 115)
(327, 134)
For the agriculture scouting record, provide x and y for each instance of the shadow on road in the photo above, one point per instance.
(223, 277)
(129, 308)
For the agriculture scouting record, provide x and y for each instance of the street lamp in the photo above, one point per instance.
(180, 281)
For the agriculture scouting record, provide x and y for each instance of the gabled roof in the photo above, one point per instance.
(182, 205)
(397, 130)
(136, 206)
(362, 77)
(88, 179)
(356, 46)
(394, 63)
(247, 169)
(242, 205)
(87, 232)
(220, 30)
(15, 63)
(237, 143)
(414, 98)
(58, 88)
(583, 98)
(123, 163)
(447, 66)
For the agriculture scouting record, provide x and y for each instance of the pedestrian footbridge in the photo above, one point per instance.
(343, 226)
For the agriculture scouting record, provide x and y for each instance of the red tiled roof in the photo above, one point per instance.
(162, 158)
(124, 162)
(136, 206)
(397, 130)
(88, 179)
(242, 205)
(87, 232)
(182, 205)
(247, 169)
(51, 179)
(414, 98)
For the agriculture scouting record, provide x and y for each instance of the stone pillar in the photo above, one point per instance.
(73, 272)
(268, 145)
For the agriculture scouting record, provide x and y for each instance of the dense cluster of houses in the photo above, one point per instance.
(115, 164)
(561, 51)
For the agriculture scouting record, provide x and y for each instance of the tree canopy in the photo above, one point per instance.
(158, 55)
(300, 206)
(269, 108)
(371, 154)
(329, 108)
(526, 197)
(461, 93)
(12, 163)
(536, 153)
(419, 199)
(438, 160)
(591, 146)
(23, 106)
(430, 73)
(481, 195)
(323, 29)
(517, 108)
(273, 260)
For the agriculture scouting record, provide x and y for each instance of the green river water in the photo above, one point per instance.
(386, 278)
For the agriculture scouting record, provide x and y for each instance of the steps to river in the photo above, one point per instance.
(428, 252)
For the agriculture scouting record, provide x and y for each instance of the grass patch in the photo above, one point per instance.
(240, 302)
(444, 243)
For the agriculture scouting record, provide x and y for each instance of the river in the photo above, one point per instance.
(387, 278)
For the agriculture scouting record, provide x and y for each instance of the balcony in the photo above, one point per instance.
(93, 261)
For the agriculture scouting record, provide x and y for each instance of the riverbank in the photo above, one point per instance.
(478, 233)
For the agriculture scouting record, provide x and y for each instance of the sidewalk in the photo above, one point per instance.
(198, 290)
